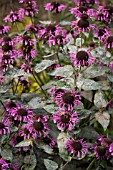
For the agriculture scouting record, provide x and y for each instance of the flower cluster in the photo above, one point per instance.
(55, 7)
(77, 147)
(103, 148)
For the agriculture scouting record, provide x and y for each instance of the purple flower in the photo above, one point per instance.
(24, 82)
(77, 146)
(27, 50)
(4, 29)
(102, 14)
(101, 148)
(82, 58)
(15, 16)
(111, 149)
(49, 141)
(109, 42)
(67, 99)
(38, 128)
(102, 33)
(21, 114)
(4, 128)
(83, 12)
(8, 53)
(55, 7)
(84, 2)
(26, 68)
(65, 120)
(30, 7)
(105, 140)
(10, 105)
(3, 164)
(81, 25)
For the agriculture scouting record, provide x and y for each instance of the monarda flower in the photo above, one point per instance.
(4, 29)
(81, 25)
(67, 99)
(49, 141)
(83, 12)
(15, 16)
(26, 68)
(102, 32)
(65, 120)
(3, 164)
(82, 58)
(26, 50)
(102, 14)
(30, 7)
(8, 53)
(105, 140)
(10, 105)
(21, 114)
(109, 42)
(77, 147)
(55, 7)
(100, 151)
(101, 147)
(4, 128)
(36, 129)
(86, 2)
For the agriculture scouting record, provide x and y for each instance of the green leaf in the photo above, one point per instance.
(110, 77)
(51, 108)
(30, 160)
(65, 71)
(7, 154)
(45, 147)
(50, 165)
(88, 133)
(99, 100)
(26, 142)
(103, 118)
(87, 84)
(43, 65)
(61, 141)
(36, 103)
(95, 71)
(4, 89)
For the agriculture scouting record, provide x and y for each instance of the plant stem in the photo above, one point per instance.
(39, 84)
(91, 164)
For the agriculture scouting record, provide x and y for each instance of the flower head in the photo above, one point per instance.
(65, 120)
(67, 99)
(21, 114)
(55, 7)
(101, 148)
(37, 128)
(4, 29)
(14, 16)
(82, 58)
(77, 146)
(4, 127)
(49, 141)
(3, 164)
(30, 7)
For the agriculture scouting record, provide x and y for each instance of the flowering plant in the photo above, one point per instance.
(56, 87)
